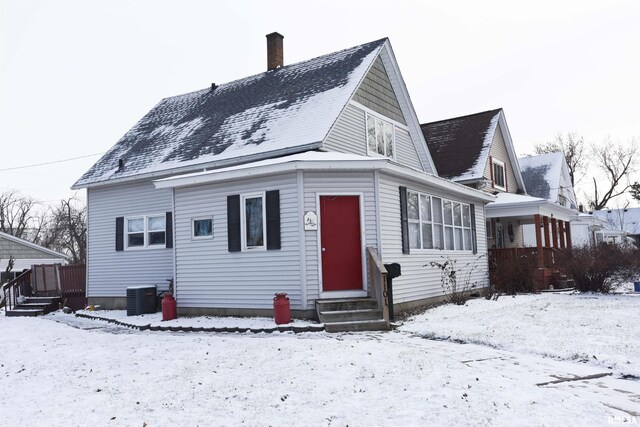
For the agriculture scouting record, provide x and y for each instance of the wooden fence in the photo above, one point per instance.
(73, 285)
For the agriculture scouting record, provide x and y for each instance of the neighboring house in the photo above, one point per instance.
(547, 176)
(621, 224)
(477, 150)
(25, 254)
(279, 182)
(587, 230)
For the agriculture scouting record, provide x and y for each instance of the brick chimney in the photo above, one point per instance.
(275, 52)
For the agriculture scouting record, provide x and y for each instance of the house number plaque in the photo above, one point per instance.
(310, 221)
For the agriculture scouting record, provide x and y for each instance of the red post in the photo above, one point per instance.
(554, 231)
(545, 224)
(568, 235)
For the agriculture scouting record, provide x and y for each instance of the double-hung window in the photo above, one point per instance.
(437, 223)
(380, 136)
(146, 231)
(499, 179)
(253, 221)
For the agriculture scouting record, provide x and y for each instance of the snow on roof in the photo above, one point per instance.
(460, 146)
(288, 107)
(541, 174)
(621, 219)
(511, 198)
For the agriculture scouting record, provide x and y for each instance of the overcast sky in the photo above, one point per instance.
(76, 75)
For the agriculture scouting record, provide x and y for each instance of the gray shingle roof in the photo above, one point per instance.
(288, 108)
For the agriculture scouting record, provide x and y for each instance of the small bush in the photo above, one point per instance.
(590, 267)
(516, 276)
(457, 291)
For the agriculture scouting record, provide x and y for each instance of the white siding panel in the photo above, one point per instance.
(208, 275)
(347, 183)
(348, 134)
(406, 153)
(109, 272)
(499, 151)
(417, 281)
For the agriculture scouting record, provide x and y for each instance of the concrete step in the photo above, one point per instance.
(345, 304)
(360, 325)
(349, 315)
(24, 312)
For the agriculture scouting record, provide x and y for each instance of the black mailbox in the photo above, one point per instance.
(393, 270)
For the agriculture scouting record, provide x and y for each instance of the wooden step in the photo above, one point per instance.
(43, 300)
(349, 315)
(345, 304)
(359, 325)
(24, 312)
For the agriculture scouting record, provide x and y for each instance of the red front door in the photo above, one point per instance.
(340, 243)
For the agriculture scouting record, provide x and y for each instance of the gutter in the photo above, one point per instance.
(201, 167)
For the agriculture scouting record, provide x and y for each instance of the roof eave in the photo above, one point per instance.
(201, 166)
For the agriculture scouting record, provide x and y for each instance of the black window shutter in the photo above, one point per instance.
(119, 233)
(404, 220)
(273, 219)
(168, 230)
(233, 223)
(474, 241)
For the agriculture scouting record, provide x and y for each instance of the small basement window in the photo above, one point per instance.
(202, 228)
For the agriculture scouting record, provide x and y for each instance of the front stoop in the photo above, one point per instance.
(34, 306)
(351, 314)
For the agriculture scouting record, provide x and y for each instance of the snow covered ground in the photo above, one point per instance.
(64, 370)
(602, 330)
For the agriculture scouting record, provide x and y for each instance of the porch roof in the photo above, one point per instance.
(516, 205)
(318, 161)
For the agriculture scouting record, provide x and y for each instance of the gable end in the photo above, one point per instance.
(376, 93)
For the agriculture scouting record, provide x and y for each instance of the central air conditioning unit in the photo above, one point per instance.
(141, 300)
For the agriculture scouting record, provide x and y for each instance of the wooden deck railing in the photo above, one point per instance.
(509, 255)
(18, 287)
(378, 282)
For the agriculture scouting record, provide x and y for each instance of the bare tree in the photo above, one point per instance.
(634, 190)
(617, 162)
(17, 213)
(66, 229)
(573, 148)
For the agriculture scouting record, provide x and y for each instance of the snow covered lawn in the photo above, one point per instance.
(64, 370)
(602, 330)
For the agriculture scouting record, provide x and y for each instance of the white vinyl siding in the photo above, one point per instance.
(417, 281)
(110, 272)
(499, 152)
(336, 183)
(349, 135)
(209, 276)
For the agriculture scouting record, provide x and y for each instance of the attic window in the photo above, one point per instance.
(498, 175)
(380, 137)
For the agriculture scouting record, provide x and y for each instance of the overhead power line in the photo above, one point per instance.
(50, 163)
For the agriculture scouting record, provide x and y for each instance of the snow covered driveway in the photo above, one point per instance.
(54, 374)
(602, 330)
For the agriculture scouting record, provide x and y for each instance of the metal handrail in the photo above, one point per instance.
(16, 288)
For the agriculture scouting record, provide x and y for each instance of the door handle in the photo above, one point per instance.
(323, 249)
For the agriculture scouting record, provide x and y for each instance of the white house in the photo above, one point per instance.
(476, 150)
(25, 254)
(280, 182)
